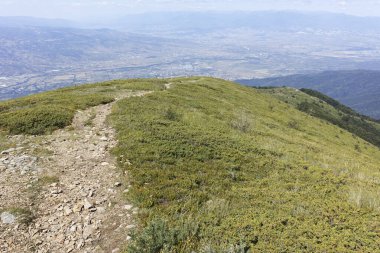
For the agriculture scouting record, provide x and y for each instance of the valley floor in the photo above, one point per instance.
(68, 196)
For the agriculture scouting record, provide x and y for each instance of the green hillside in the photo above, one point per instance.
(321, 106)
(359, 89)
(217, 167)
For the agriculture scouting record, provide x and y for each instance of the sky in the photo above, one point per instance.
(96, 9)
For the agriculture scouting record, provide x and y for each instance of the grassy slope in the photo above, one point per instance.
(215, 165)
(313, 103)
(358, 89)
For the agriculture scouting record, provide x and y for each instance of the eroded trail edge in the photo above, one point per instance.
(63, 192)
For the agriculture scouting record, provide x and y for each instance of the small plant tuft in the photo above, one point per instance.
(294, 124)
(157, 237)
(171, 114)
(241, 123)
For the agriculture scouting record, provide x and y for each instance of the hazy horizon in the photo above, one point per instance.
(93, 10)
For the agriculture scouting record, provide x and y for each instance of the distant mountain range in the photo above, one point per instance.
(32, 21)
(261, 20)
(359, 89)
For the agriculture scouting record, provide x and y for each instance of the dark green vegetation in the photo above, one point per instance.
(321, 106)
(217, 167)
(45, 112)
(42, 113)
(336, 104)
(359, 89)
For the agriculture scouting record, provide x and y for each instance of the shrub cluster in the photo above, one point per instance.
(46, 112)
(36, 120)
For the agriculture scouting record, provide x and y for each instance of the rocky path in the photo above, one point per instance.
(63, 192)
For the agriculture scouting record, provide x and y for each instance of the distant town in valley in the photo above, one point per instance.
(67, 54)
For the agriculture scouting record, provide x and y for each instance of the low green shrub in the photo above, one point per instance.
(158, 237)
(171, 114)
(36, 120)
(43, 113)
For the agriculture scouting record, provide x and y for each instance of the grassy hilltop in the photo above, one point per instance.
(217, 167)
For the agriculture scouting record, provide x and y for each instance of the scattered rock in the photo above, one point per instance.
(80, 243)
(8, 151)
(91, 194)
(67, 210)
(88, 205)
(73, 228)
(128, 207)
(56, 191)
(78, 208)
(70, 215)
(103, 138)
(131, 226)
(2, 167)
(8, 218)
(88, 231)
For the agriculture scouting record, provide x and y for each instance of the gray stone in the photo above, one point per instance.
(80, 244)
(88, 231)
(73, 228)
(56, 191)
(6, 152)
(88, 205)
(103, 138)
(67, 210)
(8, 218)
(91, 194)
(78, 208)
(128, 207)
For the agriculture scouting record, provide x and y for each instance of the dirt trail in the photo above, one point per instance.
(70, 183)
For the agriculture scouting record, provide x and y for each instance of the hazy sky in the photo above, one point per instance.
(77, 9)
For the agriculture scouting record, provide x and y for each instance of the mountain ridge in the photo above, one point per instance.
(358, 89)
(213, 165)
